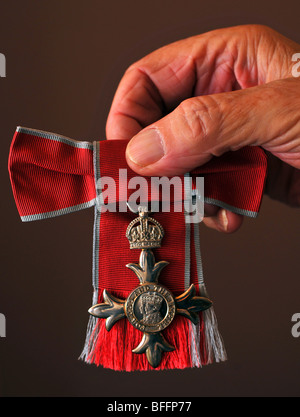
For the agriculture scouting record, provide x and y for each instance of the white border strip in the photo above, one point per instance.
(55, 137)
(49, 214)
(91, 337)
(236, 210)
(97, 215)
(187, 244)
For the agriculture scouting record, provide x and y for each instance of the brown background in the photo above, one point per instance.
(64, 61)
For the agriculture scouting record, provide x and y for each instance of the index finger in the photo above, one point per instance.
(150, 88)
(218, 61)
(157, 83)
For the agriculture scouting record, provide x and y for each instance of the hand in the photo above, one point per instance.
(209, 94)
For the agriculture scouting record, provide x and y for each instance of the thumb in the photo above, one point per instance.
(206, 126)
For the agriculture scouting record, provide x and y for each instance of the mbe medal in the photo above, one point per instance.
(150, 307)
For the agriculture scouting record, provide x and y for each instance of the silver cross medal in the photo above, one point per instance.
(150, 307)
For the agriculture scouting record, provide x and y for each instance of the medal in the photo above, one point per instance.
(150, 307)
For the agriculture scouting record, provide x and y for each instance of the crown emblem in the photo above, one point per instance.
(144, 232)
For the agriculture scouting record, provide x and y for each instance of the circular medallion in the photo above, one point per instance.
(150, 307)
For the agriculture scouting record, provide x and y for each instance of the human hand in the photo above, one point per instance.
(212, 93)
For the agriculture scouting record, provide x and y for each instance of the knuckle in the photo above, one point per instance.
(134, 67)
(259, 29)
(201, 117)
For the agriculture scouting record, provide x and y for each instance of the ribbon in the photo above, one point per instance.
(52, 175)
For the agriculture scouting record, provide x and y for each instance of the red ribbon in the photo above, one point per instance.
(49, 173)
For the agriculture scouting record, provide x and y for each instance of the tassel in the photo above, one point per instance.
(113, 349)
(91, 334)
(214, 345)
(195, 337)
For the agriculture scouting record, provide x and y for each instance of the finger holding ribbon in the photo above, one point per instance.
(203, 96)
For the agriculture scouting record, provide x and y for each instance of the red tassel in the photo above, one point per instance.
(113, 349)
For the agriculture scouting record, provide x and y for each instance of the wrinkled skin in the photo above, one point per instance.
(208, 94)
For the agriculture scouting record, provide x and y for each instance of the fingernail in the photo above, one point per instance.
(224, 219)
(145, 148)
